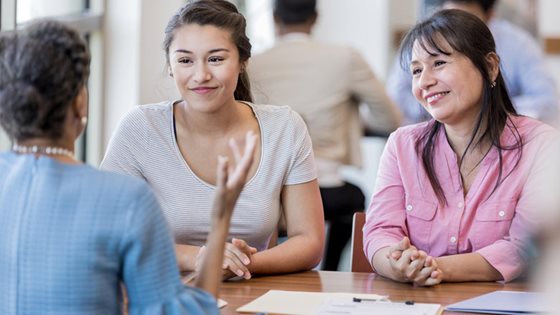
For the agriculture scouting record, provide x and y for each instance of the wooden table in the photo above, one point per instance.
(238, 293)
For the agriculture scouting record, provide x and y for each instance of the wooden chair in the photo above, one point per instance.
(359, 261)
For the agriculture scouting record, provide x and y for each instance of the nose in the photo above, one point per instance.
(426, 80)
(201, 73)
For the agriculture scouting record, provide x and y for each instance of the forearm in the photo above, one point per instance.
(210, 275)
(186, 256)
(298, 253)
(467, 267)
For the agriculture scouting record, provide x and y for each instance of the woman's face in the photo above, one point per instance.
(205, 65)
(449, 87)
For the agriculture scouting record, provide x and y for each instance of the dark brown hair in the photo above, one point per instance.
(468, 35)
(43, 67)
(224, 15)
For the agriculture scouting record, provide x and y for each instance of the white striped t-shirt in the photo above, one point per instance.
(144, 146)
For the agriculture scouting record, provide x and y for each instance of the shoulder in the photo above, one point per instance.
(410, 133)
(148, 112)
(140, 117)
(531, 130)
(278, 117)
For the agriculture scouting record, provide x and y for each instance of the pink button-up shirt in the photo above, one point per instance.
(493, 223)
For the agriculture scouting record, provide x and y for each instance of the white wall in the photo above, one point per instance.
(361, 24)
(135, 62)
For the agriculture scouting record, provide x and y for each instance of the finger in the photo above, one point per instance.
(239, 174)
(232, 263)
(222, 174)
(242, 245)
(400, 246)
(234, 146)
(238, 253)
(244, 248)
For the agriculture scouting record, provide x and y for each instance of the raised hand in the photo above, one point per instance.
(229, 183)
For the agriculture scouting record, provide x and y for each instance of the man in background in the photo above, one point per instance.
(531, 87)
(325, 84)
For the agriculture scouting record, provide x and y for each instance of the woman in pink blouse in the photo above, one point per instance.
(455, 196)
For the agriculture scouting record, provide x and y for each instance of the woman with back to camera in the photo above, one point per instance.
(456, 196)
(71, 235)
(167, 144)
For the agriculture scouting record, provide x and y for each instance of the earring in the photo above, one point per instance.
(493, 84)
(83, 120)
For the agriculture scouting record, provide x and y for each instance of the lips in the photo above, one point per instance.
(203, 90)
(434, 97)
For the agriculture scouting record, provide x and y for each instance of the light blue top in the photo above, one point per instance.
(531, 87)
(71, 235)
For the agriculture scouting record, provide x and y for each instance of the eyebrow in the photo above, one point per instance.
(211, 51)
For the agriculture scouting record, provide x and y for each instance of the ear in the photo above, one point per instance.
(80, 104)
(243, 66)
(493, 61)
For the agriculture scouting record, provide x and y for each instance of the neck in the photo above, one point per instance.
(283, 29)
(460, 136)
(58, 149)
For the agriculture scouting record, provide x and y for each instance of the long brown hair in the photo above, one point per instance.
(467, 35)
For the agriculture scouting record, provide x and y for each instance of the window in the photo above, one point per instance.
(85, 16)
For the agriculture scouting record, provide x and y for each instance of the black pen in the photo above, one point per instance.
(359, 300)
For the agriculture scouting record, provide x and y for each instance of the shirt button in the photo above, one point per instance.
(409, 208)
(460, 205)
(502, 213)
(453, 239)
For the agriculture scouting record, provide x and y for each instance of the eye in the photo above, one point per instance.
(184, 60)
(439, 63)
(416, 71)
(215, 59)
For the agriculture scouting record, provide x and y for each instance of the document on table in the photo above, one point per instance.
(347, 306)
(502, 302)
(308, 303)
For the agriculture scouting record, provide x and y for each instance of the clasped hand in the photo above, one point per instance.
(412, 265)
(237, 257)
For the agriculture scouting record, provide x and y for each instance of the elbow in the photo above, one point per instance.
(314, 253)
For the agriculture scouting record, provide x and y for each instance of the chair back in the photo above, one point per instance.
(359, 261)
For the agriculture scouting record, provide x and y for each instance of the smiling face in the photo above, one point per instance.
(205, 65)
(448, 86)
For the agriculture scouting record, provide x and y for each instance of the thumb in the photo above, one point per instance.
(404, 244)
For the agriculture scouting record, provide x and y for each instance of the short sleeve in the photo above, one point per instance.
(302, 165)
(149, 267)
(122, 155)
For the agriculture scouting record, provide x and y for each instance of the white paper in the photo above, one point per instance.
(296, 302)
(348, 307)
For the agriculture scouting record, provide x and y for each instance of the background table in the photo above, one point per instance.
(238, 293)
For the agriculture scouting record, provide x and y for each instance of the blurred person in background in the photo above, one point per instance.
(324, 83)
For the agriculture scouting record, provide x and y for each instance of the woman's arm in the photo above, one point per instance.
(467, 267)
(304, 217)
